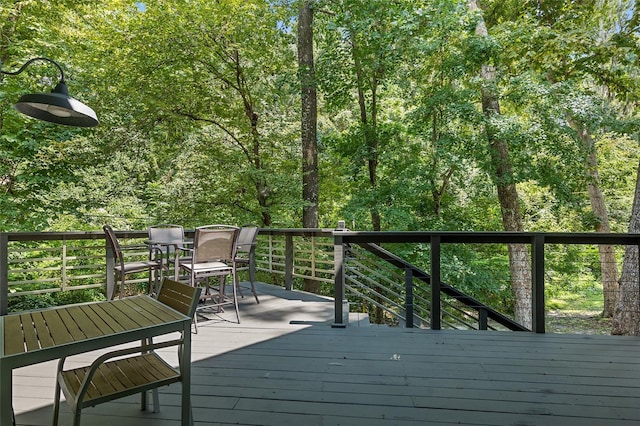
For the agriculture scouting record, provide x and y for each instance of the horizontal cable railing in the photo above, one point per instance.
(388, 292)
(430, 300)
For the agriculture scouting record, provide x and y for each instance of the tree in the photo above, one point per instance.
(361, 54)
(626, 319)
(584, 50)
(505, 184)
(309, 123)
(309, 117)
(213, 104)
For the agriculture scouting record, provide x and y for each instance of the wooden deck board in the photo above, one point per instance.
(275, 368)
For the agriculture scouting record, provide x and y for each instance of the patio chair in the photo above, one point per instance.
(212, 255)
(107, 379)
(122, 268)
(246, 255)
(169, 237)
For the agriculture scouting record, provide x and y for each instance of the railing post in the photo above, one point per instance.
(4, 273)
(288, 262)
(340, 319)
(408, 302)
(537, 284)
(111, 263)
(435, 283)
(483, 321)
(63, 267)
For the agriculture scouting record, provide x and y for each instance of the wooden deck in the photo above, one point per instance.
(284, 365)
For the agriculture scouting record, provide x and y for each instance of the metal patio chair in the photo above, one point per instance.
(212, 255)
(246, 255)
(122, 268)
(167, 238)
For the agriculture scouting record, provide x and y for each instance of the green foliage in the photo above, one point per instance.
(41, 301)
(199, 110)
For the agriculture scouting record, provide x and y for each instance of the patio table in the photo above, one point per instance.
(177, 247)
(37, 336)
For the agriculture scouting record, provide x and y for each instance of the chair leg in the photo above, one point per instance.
(239, 287)
(156, 400)
(112, 295)
(252, 276)
(235, 299)
(56, 405)
(155, 278)
(122, 279)
(192, 281)
(222, 291)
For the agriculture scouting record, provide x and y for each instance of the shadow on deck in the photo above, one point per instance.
(284, 365)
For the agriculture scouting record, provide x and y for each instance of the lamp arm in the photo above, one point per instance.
(26, 64)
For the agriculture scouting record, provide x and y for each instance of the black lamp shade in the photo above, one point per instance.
(57, 107)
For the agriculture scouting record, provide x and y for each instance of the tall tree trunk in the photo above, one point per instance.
(309, 120)
(608, 264)
(369, 128)
(519, 264)
(626, 317)
(376, 313)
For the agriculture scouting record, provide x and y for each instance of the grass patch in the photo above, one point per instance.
(576, 311)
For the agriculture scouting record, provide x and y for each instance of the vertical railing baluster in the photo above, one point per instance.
(408, 302)
(288, 262)
(339, 277)
(483, 321)
(63, 271)
(271, 255)
(537, 283)
(435, 283)
(312, 258)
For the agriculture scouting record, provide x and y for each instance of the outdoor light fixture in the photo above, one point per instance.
(56, 107)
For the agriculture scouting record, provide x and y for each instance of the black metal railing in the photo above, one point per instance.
(536, 243)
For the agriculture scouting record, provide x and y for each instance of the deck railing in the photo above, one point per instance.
(354, 265)
(47, 262)
(436, 241)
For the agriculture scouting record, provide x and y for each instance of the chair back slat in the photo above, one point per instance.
(181, 297)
